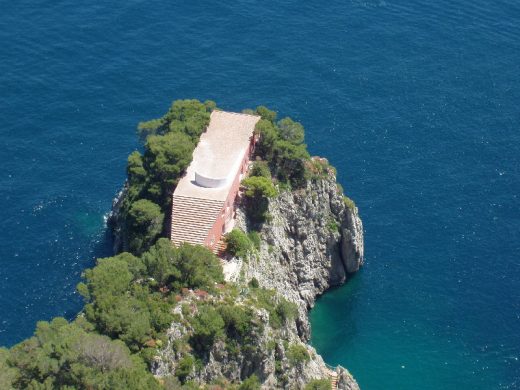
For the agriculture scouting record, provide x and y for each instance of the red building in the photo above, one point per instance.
(203, 206)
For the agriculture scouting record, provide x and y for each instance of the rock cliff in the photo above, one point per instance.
(312, 241)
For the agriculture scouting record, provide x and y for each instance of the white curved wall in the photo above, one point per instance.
(209, 182)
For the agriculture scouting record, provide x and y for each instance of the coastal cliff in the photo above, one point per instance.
(313, 240)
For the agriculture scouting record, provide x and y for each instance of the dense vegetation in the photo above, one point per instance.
(282, 147)
(129, 297)
(152, 176)
(128, 309)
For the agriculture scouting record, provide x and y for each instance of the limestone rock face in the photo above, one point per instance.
(312, 241)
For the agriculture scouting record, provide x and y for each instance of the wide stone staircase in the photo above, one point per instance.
(192, 218)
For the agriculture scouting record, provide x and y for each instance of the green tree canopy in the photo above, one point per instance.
(145, 221)
(266, 113)
(208, 326)
(238, 243)
(291, 131)
(166, 157)
(269, 134)
(260, 168)
(258, 187)
(63, 355)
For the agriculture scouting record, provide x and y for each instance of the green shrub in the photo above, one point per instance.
(63, 355)
(258, 190)
(286, 311)
(237, 320)
(253, 283)
(185, 367)
(297, 354)
(266, 113)
(261, 169)
(208, 326)
(251, 383)
(318, 384)
(291, 131)
(144, 224)
(257, 187)
(238, 243)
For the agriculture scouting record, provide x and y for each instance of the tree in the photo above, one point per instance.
(184, 367)
(199, 267)
(258, 187)
(187, 116)
(8, 374)
(191, 266)
(135, 169)
(165, 159)
(208, 326)
(290, 162)
(151, 127)
(266, 113)
(237, 320)
(144, 223)
(160, 262)
(258, 190)
(269, 134)
(291, 131)
(63, 355)
(102, 353)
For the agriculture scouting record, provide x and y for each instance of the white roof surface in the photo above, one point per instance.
(218, 155)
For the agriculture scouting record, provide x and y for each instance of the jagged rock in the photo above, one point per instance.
(312, 242)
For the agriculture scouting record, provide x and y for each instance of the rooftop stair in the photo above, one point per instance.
(192, 219)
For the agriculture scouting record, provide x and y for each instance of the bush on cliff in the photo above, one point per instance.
(282, 145)
(251, 383)
(208, 326)
(238, 243)
(318, 384)
(123, 292)
(257, 191)
(165, 159)
(119, 306)
(145, 222)
(260, 168)
(298, 354)
(190, 266)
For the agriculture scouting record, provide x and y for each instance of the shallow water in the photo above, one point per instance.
(415, 103)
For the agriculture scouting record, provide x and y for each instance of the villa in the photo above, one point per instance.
(203, 207)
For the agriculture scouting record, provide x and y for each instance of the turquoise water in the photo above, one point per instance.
(415, 103)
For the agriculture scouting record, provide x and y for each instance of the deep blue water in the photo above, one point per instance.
(416, 103)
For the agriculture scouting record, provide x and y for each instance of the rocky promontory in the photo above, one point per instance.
(312, 240)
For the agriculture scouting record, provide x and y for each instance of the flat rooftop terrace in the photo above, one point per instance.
(218, 156)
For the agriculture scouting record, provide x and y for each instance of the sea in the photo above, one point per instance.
(417, 104)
